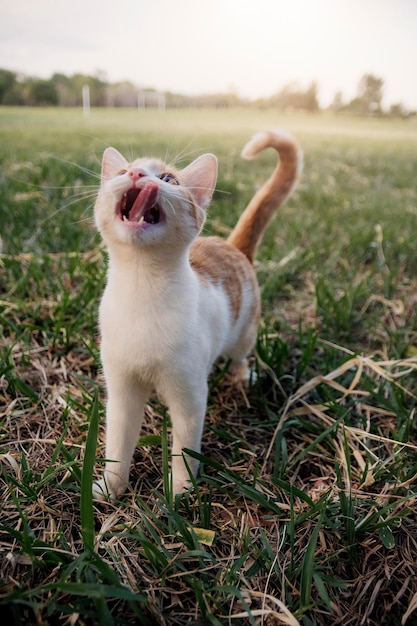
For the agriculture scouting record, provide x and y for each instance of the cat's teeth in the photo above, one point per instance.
(142, 219)
(125, 218)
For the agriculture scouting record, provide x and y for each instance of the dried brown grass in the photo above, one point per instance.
(377, 584)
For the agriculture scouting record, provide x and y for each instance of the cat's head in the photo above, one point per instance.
(147, 202)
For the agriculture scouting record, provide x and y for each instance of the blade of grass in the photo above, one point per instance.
(86, 506)
(308, 566)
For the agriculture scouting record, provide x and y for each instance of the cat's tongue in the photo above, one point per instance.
(144, 202)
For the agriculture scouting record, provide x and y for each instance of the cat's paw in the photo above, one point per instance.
(181, 485)
(241, 373)
(105, 489)
(181, 479)
(100, 491)
(249, 377)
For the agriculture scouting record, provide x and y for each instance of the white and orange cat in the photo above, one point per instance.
(174, 302)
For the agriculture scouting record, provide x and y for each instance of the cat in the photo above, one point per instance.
(174, 301)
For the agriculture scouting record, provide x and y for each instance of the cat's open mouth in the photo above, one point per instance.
(139, 206)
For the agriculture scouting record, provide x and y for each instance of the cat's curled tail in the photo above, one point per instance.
(252, 223)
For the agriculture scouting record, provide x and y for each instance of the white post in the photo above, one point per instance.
(161, 101)
(86, 100)
(141, 99)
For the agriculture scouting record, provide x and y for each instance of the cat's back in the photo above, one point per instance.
(218, 263)
(214, 256)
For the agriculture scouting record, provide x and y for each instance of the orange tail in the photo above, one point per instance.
(252, 223)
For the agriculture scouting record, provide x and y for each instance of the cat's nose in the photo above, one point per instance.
(136, 173)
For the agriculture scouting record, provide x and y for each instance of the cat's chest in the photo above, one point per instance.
(148, 328)
(145, 328)
(133, 316)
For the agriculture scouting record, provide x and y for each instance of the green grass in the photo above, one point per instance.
(304, 510)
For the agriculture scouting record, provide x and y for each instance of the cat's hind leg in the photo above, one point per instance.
(239, 370)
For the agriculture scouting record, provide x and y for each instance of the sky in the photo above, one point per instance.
(251, 47)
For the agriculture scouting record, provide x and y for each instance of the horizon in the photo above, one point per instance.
(227, 46)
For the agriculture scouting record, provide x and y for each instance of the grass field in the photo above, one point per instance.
(305, 508)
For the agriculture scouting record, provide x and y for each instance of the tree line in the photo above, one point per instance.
(66, 91)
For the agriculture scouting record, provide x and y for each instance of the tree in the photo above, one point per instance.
(337, 104)
(7, 82)
(64, 89)
(370, 91)
(398, 110)
(293, 97)
(369, 96)
(42, 93)
(310, 97)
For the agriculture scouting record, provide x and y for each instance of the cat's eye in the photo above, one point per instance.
(169, 178)
(121, 172)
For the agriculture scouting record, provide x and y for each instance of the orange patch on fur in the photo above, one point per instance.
(216, 261)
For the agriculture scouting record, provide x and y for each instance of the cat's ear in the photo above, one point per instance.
(200, 177)
(112, 163)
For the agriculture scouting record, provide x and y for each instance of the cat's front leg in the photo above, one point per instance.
(124, 414)
(187, 406)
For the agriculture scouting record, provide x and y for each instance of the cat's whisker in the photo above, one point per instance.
(78, 190)
(77, 197)
(85, 220)
(81, 195)
(82, 168)
(223, 191)
(183, 154)
(168, 201)
(64, 207)
(228, 193)
(60, 187)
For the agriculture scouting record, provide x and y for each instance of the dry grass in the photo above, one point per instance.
(321, 467)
